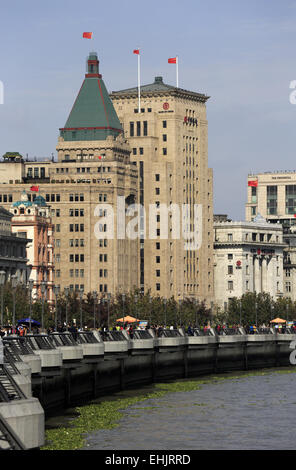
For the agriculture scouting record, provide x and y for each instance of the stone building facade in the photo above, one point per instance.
(93, 169)
(13, 254)
(273, 194)
(168, 135)
(248, 257)
(32, 220)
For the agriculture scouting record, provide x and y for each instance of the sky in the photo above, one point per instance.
(241, 54)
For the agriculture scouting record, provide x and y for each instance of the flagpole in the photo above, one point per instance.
(177, 71)
(139, 85)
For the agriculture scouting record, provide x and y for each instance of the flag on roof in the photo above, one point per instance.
(172, 60)
(136, 51)
(253, 183)
(87, 35)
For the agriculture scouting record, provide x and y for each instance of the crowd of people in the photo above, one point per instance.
(159, 330)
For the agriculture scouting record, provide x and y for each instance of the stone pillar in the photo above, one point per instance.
(264, 269)
(257, 275)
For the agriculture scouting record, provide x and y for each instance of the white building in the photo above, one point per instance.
(248, 257)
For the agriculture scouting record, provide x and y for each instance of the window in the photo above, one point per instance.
(157, 273)
(138, 128)
(230, 256)
(291, 199)
(157, 286)
(132, 130)
(164, 137)
(141, 150)
(164, 151)
(134, 151)
(157, 177)
(157, 191)
(230, 285)
(229, 237)
(164, 124)
(145, 128)
(288, 286)
(271, 198)
(157, 259)
(230, 269)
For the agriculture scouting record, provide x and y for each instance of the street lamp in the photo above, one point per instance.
(2, 281)
(165, 312)
(150, 312)
(95, 297)
(123, 299)
(66, 290)
(81, 292)
(136, 303)
(56, 290)
(108, 300)
(180, 314)
(43, 291)
(30, 287)
(240, 312)
(14, 284)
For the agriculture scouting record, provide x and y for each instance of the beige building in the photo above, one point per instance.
(32, 219)
(168, 135)
(273, 194)
(93, 169)
(248, 257)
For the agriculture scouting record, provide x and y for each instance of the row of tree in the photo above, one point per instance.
(251, 308)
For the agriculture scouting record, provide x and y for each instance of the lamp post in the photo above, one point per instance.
(66, 290)
(108, 300)
(95, 296)
(123, 299)
(165, 312)
(240, 312)
(136, 303)
(180, 314)
(14, 284)
(43, 291)
(30, 287)
(2, 281)
(150, 310)
(56, 290)
(81, 292)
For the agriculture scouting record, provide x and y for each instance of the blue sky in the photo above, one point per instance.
(242, 54)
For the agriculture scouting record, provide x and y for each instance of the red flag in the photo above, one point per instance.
(172, 60)
(87, 35)
(34, 188)
(253, 183)
(136, 51)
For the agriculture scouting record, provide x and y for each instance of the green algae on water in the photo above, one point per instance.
(107, 414)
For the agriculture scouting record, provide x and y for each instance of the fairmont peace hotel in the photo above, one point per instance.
(111, 150)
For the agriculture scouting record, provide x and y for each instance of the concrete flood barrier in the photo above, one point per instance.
(21, 415)
(130, 362)
(97, 363)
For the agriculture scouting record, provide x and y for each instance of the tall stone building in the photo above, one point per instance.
(168, 134)
(93, 169)
(273, 194)
(32, 220)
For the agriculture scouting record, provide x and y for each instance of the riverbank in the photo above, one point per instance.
(73, 427)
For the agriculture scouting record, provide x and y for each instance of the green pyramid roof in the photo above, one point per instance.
(93, 116)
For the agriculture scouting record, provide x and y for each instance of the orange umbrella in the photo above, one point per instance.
(127, 319)
(278, 320)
